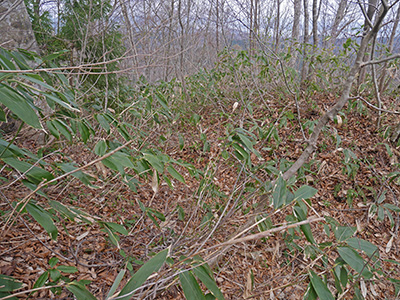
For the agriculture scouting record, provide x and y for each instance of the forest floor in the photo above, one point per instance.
(261, 269)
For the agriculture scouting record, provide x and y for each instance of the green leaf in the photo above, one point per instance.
(279, 194)
(246, 141)
(369, 248)
(343, 276)
(137, 280)
(190, 287)
(156, 213)
(117, 227)
(62, 209)
(239, 152)
(202, 273)
(12, 150)
(155, 162)
(174, 173)
(67, 269)
(56, 99)
(305, 192)
(320, 287)
(382, 197)
(116, 283)
(113, 238)
(43, 218)
(100, 148)
(53, 261)
(53, 130)
(118, 161)
(124, 132)
(310, 293)
(63, 128)
(210, 296)
(18, 105)
(391, 207)
(84, 130)
(81, 215)
(55, 275)
(68, 167)
(80, 291)
(19, 59)
(103, 122)
(36, 174)
(306, 228)
(9, 284)
(342, 233)
(6, 63)
(354, 260)
(181, 213)
(41, 280)
(54, 55)
(36, 79)
(181, 142)
(3, 117)
(160, 98)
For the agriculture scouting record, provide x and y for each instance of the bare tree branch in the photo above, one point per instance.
(379, 61)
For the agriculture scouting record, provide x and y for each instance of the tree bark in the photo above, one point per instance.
(382, 85)
(15, 26)
(296, 21)
(277, 25)
(304, 68)
(368, 20)
(340, 13)
(169, 41)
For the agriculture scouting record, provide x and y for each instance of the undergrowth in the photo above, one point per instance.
(224, 136)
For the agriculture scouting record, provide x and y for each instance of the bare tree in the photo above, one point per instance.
(296, 21)
(315, 14)
(383, 83)
(277, 24)
(368, 16)
(339, 16)
(304, 68)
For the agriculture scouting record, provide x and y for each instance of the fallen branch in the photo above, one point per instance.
(266, 233)
(395, 112)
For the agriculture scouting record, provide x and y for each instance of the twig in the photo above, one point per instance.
(376, 89)
(395, 112)
(263, 234)
(379, 61)
(32, 290)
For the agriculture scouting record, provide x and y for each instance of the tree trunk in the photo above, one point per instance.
(169, 41)
(382, 85)
(132, 51)
(251, 27)
(338, 18)
(277, 25)
(217, 26)
(370, 13)
(180, 75)
(315, 23)
(304, 69)
(315, 14)
(296, 21)
(15, 26)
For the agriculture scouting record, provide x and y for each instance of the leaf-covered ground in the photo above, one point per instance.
(269, 268)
